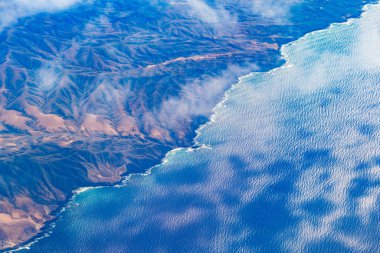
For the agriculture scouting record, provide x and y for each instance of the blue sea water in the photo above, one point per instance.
(290, 162)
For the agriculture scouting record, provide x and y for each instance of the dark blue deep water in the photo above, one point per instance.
(289, 162)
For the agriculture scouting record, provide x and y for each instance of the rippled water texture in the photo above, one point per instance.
(290, 163)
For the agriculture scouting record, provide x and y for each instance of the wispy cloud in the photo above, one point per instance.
(197, 98)
(217, 15)
(49, 76)
(12, 10)
(273, 9)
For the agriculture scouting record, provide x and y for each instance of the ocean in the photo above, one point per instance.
(289, 162)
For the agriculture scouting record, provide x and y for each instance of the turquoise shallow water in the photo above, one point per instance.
(289, 163)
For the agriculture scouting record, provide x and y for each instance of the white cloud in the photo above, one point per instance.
(197, 98)
(12, 10)
(48, 77)
(218, 16)
(273, 9)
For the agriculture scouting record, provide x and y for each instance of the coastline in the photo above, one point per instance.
(49, 226)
